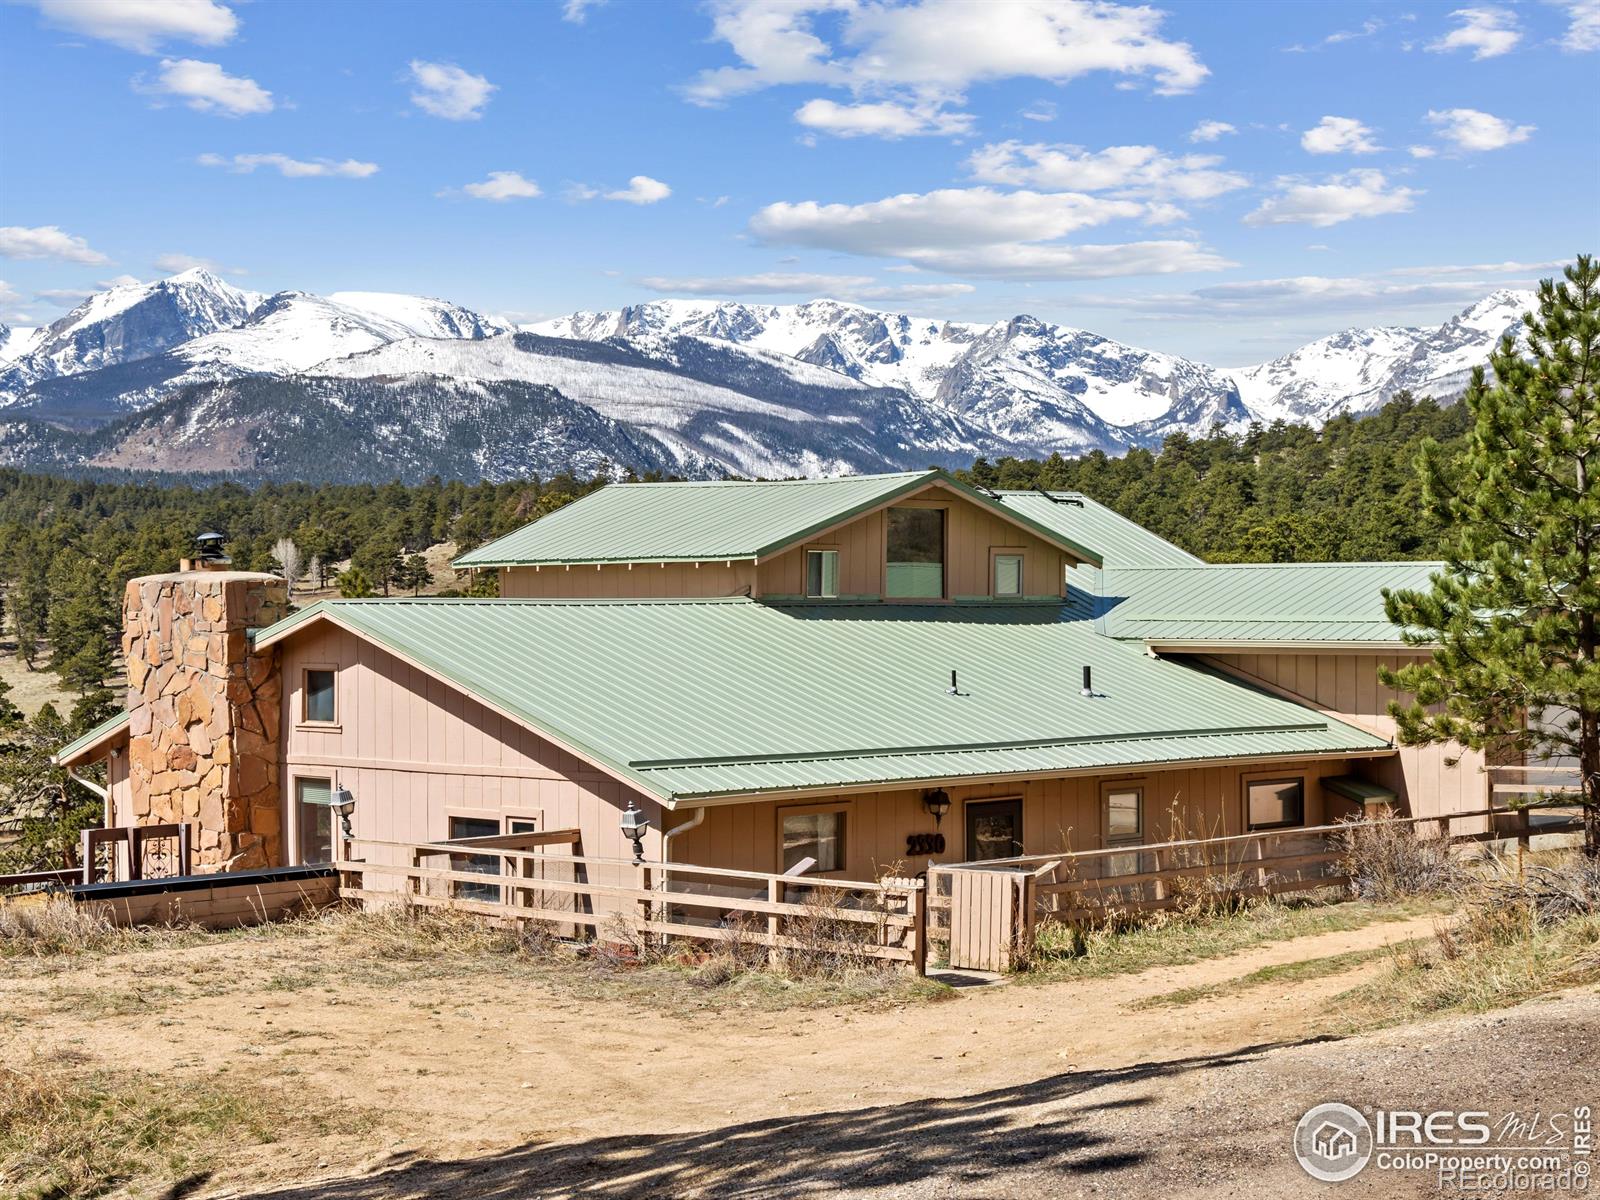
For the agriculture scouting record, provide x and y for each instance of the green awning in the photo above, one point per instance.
(1362, 791)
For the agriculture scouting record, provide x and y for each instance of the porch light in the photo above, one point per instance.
(634, 826)
(343, 802)
(937, 802)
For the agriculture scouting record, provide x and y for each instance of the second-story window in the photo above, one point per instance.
(1008, 575)
(916, 554)
(822, 574)
(320, 706)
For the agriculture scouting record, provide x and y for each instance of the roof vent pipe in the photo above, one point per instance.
(953, 689)
(1088, 685)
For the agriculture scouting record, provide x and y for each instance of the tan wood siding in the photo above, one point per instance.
(613, 581)
(971, 533)
(1347, 686)
(415, 751)
(120, 787)
(1057, 814)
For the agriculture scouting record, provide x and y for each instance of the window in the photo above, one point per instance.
(822, 573)
(1276, 803)
(1008, 574)
(319, 704)
(1124, 815)
(916, 553)
(994, 829)
(818, 835)
(478, 864)
(315, 819)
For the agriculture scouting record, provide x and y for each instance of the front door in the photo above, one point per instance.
(994, 829)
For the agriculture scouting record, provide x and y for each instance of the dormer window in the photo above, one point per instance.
(822, 574)
(1007, 576)
(916, 554)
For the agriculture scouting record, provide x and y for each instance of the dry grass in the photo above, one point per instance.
(1516, 938)
(68, 1134)
(53, 927)
(1172, 938)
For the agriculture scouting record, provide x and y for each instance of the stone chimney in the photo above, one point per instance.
(204, 711)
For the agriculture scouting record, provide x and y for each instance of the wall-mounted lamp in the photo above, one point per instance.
(343, 802)
(937, 802)
(634, 826)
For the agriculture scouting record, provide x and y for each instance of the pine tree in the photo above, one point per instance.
(1513, 616)
(354, 584)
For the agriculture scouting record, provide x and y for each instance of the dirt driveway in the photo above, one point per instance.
(489, 1090)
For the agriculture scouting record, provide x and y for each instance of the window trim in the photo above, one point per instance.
(303, 701)
(1140, 785)
(1017, 798)
(805, 570)
(996, 553)
(943, 506)
(1249, 781)
(844, 808)
(296, 839)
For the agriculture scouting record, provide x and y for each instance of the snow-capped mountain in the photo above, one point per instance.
(127, 323)
(173, 375)
(1360, 370)
(1049, 387)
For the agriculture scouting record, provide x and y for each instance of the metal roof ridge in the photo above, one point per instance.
(1366, 562)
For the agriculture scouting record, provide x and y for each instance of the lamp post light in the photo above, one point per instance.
(343, 802)
(937, 802)
(634, 826)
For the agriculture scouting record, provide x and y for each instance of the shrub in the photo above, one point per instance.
(1386, 860)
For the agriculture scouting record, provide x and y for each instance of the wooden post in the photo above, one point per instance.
(919, 929)
(86, 856)
(641, 874)
(776, 892)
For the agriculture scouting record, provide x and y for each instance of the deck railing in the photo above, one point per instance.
(611, 899)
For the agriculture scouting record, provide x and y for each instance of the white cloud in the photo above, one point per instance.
(1260, 299)
(445, 90)
(800, 283)
(142, 25)
(1042, 110)
(206, 87)
(884, 119)
(1487, 32)
(292, 168)
(117, 281)
(1422, 151)
(1131, 170)
(64, 296)
(641, 189)
(500, 186)
(1339, 135)
(577, 11)
(1583, 28)
(1471, 130)
(8, 294)
(1210, 131)
(981, 232)
(931, 51)
(1340, 198)
(1480, 269)
(176, 264)
(47, 241)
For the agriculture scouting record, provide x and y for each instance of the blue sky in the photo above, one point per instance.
(1221, 180)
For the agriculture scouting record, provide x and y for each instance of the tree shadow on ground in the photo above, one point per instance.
(1045, 1128)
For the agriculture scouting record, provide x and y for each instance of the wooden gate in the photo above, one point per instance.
(988, 909)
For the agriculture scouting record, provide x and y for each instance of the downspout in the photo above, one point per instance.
(666, 844)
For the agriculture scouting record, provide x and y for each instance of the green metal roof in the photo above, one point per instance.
(707, 521)
(1256, 603)
(87, 741)
(1121, 542)
(710, 698)
(1353, 787)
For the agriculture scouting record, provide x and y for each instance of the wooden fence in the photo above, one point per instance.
(984, 912)
(517, 877)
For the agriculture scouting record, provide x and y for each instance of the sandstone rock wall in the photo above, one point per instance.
(204, 712)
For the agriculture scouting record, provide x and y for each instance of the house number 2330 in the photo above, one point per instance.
(925, 843)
